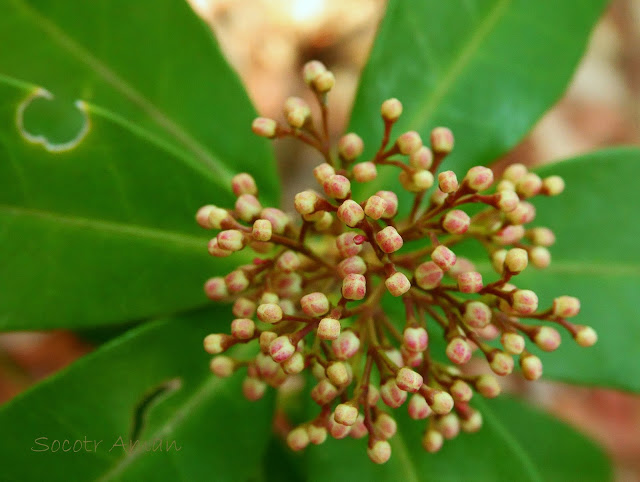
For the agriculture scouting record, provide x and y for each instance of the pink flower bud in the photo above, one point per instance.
(305, 201)
(314, 304)
(215, 250)
(497, 260)
(409, 142)
(552, 185)
(266, 337)
(586, 336)
(365, 171)
(379, 452)
(438, 197)
(247, 207)
(346, 345)
(547, 338)
(392, 395)
(337, 186)
(507, 201)
(317, 435)
(428, 275)
(312, 70)
(432, 441)
(515, 172)
(540, 257)
(236, 281)
(488, 386)
(352, 265)
(566, 306)
(418, 407)
(456, 222)
(505, 185)
(509, 235)
(346, 414)
(346, 245)
(262, 230)
(202, 216)
(470, 282)
(253, 389)
(328, 329)
(389, 240)
(350, 146)
(422, 180)
(243, 328)
(324, 392)
(217, 343)
(216, 288)
(294, 365)
(461, 391)
(415, 339)
(264, 127)
(441, 403)
(523, 213)
(222, 366)
(266, 367)
(458, 350)
(296, 111)
(354, 287)
(288, 261)
(395, 356)
(391, 110)
(324, 82)
(338, 374)
(443, 257)
(448, 182)
(243, 308)
(281, 349)
(359, 429)
(278, 219)
(516, 260)
(217, 216)
(476, 314)
(231, 240)
(513, 343)
(323, 172)
(373, 395)
(422, 158)
(392, 203)
(462, 265)
(397, 284)
(500, 362)
(375, 207)
(525, 302)
(528, 185)
(531, 366)
(472, 423)
(298, 439)
(385, 425)
(448, 426)
(269, 297)
(408, 380)
(270, 313)
(350, 213)
(442, 140)
(479, 178)
(337, 430)
(243, 183)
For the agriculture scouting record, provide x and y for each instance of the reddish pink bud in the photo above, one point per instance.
(264, 127)
(461, 391)
(215, 250)
(262, 230)
(243, 328)
(418, 407)
(525, 302)
(359, 429)
(428, 275)
(389, 240)
(337, 430)
(312, 70)
(270, 313)
(566, 306)
(523, 213)
(448, 426)
(438, 197)
(516, 260)
(365, 171)
(531, 366)
(317, 435)
(243, 307)
(298, 439)
(359, 239)
(441, 403)
(314, 304)
(479, 178)
(409, 142)
(305, 201)
(448, 182)
(392, 395)
(324, 392)
(288, 261)
(470, 282)
(392, 203)
(328, 329)
(345, 414)
(500, 362)
(354, 287)
(408, 380)
(391, 110)
(350, 213)
(281, 349)
(337, 186)
(552, 185)
(415, 339)
(236, 281)
(507, 201)
(442, 140)
(373, 395)
(515, 172)
(253, 389)
(443, 257)
(323, 172)
(456, 222)
(488, 386)
(266, 367)
(422, 158)
(350, 146)
(375, 207)
(586, 336)
(243, 183)
(346, 345)
(432, 441)
(231, 240)
(352, 265)
(278, 219)
(476, 314)
(379, 452)
(346, 245)
(509, 235)
(397, 284)
(222, 366)
(385, 425)
(513, 343)
(458, 351)
(462, 265)
(216, 288)
(247, 207)
(528, 185)
(547, 338)
(202, 216)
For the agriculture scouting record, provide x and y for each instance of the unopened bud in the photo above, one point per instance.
(409, 142)
(385, 425)
(337, 430)
(216, 288)
(266, 337)
(458, 350)
(523, 213)
(531, 366)
(312, 70)
(288, 261)
(528, 185)
(247, 207)
(456, 222)
(264, 127)
(472, 423)
(392, 395)
(354, 287)
(448, 182)
(281, 349)
(305, 201)
(428, 275)
(391, 110)
(222, 366)
(461, 391)
(231, 240)
(415, 339)
(317, 435)
(243, 328)
(470, 282)
(449, 426)
(350, 146)
(323, 172)
(243, 183)
(215, 250)
(236, 281)
(408, 380)
(422, 158)
(392, 203)
(476, 314)
(541, 236)
(488, 386)
(507, 201)
(397, 284)
(346, 244)
(525, 302)
(552, 185)
(253, 389)
(418, 407)
(389, 240)
(346, 345)
(547, 338)
(262, 230)
(324, 392)
(509, 235)
(515, 172)
(442, 402)
(379, 452)
(278, 219)
(540, 257)
(513, 343)
(442, 140)
(337, 187)
(443, 257)
(216, 343)
(324, 82)
(350, 213)
(432, 441)
(516, 260)
(586, 336)
(479, 178)
(298, 439)
(566, 306)
(346, 414)
(296, 111)
(202, 216)
(497, 260)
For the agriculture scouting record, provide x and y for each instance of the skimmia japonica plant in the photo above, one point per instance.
(312, 297)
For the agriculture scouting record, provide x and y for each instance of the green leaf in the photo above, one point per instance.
(98, 196)
(487, 69)
(595, 258)
(153, 381)
(516, 442)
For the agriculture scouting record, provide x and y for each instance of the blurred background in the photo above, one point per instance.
(268, 41)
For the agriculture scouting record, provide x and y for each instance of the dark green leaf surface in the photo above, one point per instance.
(515, 443)
(595, 258)
(487, 69)
(103, 232)
(221, 436)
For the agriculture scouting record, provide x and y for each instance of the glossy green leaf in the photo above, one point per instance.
(516, 442)
(487, 69)
(595, 258)
(97, 223)
(153, 381)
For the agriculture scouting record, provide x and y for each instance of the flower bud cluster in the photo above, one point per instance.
(311, 298)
